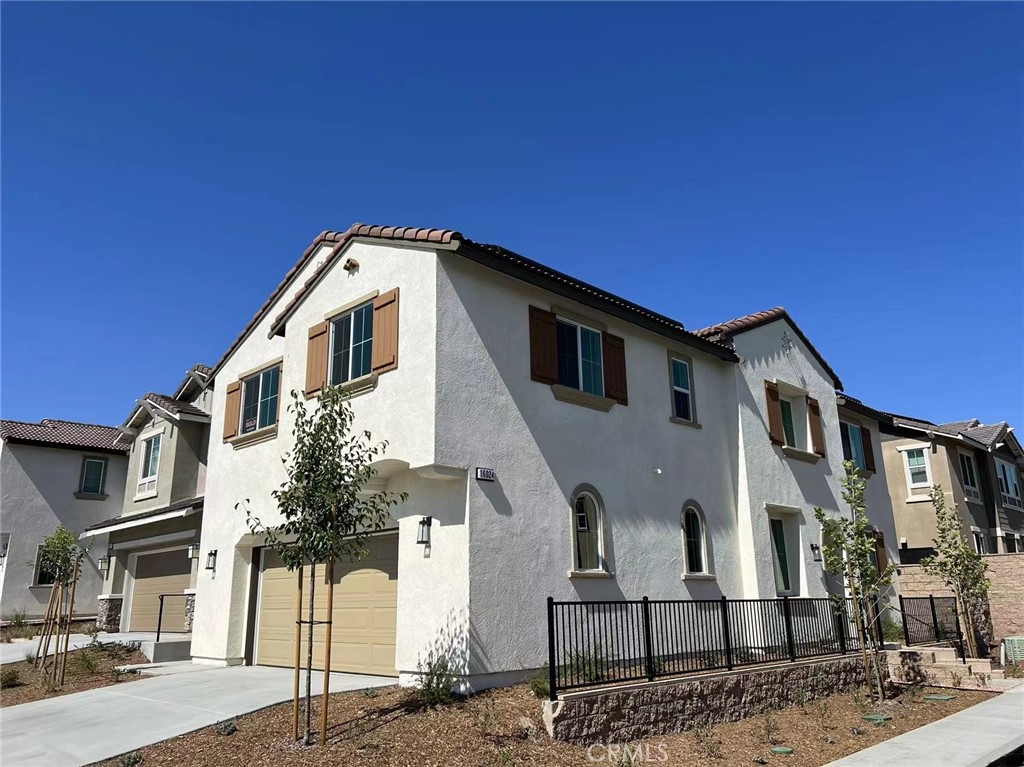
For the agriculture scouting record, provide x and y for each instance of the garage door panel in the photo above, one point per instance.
(364, 619)
(165, 572)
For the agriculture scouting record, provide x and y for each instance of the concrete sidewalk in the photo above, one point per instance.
(16, 651)
(974, 737)
(86, 727)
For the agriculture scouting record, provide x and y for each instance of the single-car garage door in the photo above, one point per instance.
(166, 572)
(365, 607)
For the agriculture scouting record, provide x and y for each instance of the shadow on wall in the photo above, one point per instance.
(448, 651)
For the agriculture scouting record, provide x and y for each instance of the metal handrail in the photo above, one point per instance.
(160, 615)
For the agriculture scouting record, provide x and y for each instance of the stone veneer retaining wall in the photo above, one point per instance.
(108, 613)
(626, 714)
(190, 612)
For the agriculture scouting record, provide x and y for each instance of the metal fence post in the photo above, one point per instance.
(906, 626)
(790, 640)
(725, 633)
(160, 617)
(879, 636)
(552, 672)
(960, 634)
(935, 617)
(840, 621)
(648, 639)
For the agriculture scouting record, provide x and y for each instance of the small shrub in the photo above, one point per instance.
(801, 701)
(17, 619)
(30, 657)
(860, 700)
(9, 678)
(955, 679)
(227, 727)
(1013, 670)
(540, 685)
(770, 729)
(84, 662)
(437, 680)
(982, 680)
(708, 742)
(587, 666)
(134, 759)
(892, 629)
(371, 692)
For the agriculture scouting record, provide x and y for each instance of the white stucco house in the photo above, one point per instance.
(54, 473)
(559, 441)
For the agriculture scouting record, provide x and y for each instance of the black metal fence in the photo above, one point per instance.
(592, 643)
(931, 619)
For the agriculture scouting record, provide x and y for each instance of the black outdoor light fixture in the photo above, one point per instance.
(103, 563)
(211, 560)
(193, 550)
(423, 533)
(816, 551)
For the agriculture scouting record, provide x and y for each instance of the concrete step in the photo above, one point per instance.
(169, 648)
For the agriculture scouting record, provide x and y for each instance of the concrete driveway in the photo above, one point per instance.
(86, 727)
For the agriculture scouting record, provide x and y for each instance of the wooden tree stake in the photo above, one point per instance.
(298, 646)
(327, 651)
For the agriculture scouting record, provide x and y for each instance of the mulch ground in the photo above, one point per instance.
(390, 727)
(87, 669)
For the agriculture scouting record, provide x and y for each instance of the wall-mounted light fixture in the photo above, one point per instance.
(211, 560)
(423, 533)
(103, 563)
(193, 550)
(816, 551)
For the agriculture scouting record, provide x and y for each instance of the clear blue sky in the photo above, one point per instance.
(163, 165)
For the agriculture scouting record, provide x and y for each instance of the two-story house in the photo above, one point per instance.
(54, 473)
(978, 468)
(554, 440)
(154, 538)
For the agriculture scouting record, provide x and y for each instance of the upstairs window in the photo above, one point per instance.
(794, 420)
(352, 345)
(794, 437)
(682, 392)
(94, 474)
(1009, 483)
(259, 400)
(150, 465)
(918, 473)
(853, 443)
(580, 365)
(969, 472)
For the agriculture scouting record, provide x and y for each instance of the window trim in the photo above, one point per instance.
(980, 540)
(911, 485)
(248, 436)
(1005, 498)
(142, 493)
(674, 356)
(331, 321)
(794, 558)
(84, 495)
(708, 571)
(36, 569)
(580, 326)
(604, 570)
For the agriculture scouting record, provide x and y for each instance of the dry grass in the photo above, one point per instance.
(87, 669)
(392, 728)
(28, 630)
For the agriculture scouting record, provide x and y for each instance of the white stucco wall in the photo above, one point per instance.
(37, 493)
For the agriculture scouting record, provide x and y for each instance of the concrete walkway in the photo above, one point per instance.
(16, 651)
(86, 727)
(974, 737)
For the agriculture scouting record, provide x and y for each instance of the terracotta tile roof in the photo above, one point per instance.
(64, 434)
(724, 330)
(494, 256)
(175, 406)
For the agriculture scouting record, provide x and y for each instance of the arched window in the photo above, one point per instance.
(694, 544)
(588, 532)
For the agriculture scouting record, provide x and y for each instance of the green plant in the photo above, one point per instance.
(1013, 670)
(30, 657)
(708, 742)
(769, 729)
(801, 701)
(371, 692)
(227, 727)
(587, 666)
(84, 662)
(134, 759)
(892, 629)
(17, 619)
(955, 679)
(9, 678)
(327, 513)
(540, 685)
(437, 680)
(982, 680)
(822, 711)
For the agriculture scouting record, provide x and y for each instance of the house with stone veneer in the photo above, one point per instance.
(154, 537)
(54, 473)
(554, 439)
(978, 467)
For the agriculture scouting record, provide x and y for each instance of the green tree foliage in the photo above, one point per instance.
(956, 564)
(58, 553)
(326, 513)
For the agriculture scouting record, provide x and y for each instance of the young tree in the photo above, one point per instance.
(848, 546)
(327, 515)
(957, 565)
(59, 557)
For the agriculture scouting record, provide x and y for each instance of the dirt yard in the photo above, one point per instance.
(503, 728)
(87, 669)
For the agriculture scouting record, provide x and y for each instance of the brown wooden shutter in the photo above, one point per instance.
(883, 559)
(385, 332)
(869, 454)
(775, 431)
(232, 403)
(543, 346)
(814, 416)
(613, 352)
(316, 358)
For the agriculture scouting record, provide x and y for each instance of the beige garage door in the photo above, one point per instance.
(365, 607)
(167, 572)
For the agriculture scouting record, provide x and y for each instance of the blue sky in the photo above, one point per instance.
(163, 165)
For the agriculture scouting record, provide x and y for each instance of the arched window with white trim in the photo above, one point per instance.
(695, 549)
(588, 533)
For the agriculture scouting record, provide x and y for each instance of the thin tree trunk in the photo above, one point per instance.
(308, 739)
(858, 621)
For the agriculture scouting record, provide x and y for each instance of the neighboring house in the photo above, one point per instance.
(154, 535)
(554, 439)
(54, 473)
(979, 470)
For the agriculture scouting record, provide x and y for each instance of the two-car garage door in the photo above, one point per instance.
(365, 608)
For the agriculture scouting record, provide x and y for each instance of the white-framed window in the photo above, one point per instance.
(94, 475)
(259, 400)
(149, 465)
(784, 554)
(351, 345)
(682, 389)
(919, 473)
(1009, 483)
(852, 436)
(588, 533)
(794, 420)
(695, 557)
(979, 541)
(969, 472)
(580, 361)
(40, 575)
